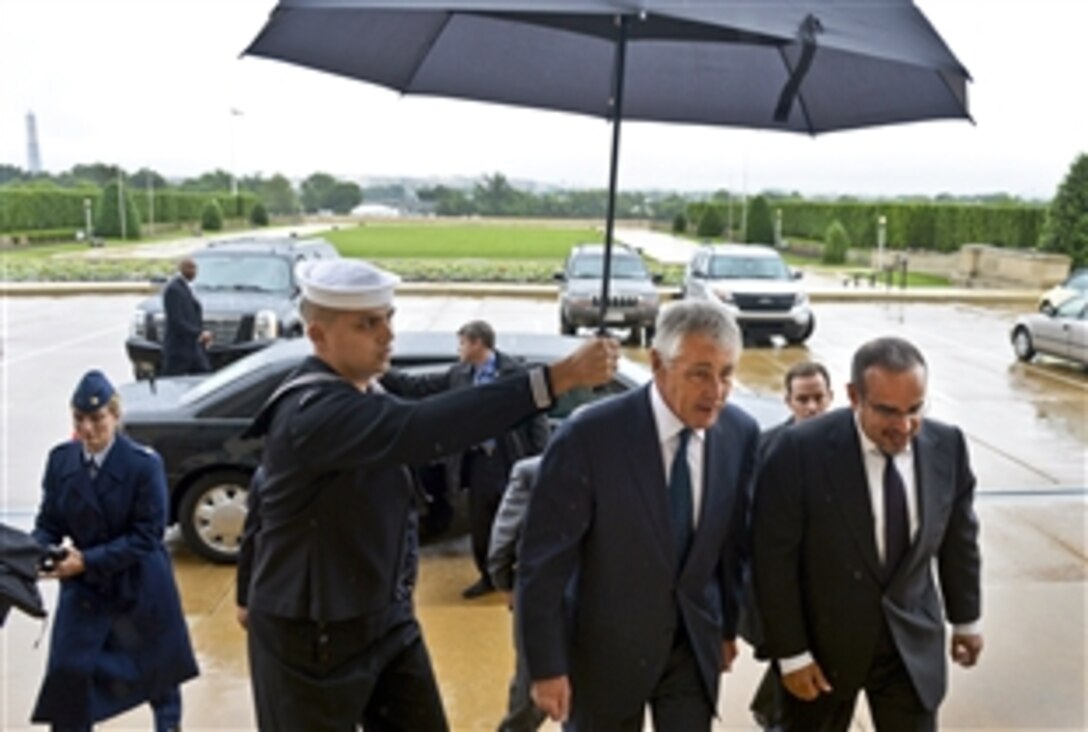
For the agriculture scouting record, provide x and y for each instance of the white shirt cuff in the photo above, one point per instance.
(974, 628)
(538, 385)
(793, 663)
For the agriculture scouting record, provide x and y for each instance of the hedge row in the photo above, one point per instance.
(927, 226)
(28, 209)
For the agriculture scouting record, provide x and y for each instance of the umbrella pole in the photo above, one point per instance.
(617, 118)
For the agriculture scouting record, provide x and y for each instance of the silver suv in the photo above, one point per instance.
(753, 282)
(632, 291)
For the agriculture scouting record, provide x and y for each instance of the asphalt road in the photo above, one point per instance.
(1027, 427)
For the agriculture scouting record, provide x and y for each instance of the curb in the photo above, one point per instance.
(500, 289)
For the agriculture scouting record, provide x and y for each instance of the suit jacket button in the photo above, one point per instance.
(857, 575)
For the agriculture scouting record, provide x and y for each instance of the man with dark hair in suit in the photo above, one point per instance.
(853, 512)
(808, 394)
(185, 343)
(630, 566)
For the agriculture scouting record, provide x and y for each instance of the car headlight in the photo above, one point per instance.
(650, 298)
(138, 327)
(579, 301)
(801, 299)
(266, 326)
(725, 296)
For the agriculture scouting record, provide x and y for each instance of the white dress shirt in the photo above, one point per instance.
(669, 427)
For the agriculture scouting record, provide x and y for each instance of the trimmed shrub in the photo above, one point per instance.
(258, 216)
(836, 243)
(1066, 227)
(211, 218)
(679, 223)
(107, 214)
(760, 226)
(711, 225)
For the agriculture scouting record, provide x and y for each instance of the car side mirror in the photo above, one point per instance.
(559, 277)
(1048, 310)
(657, 278)
(798, 274)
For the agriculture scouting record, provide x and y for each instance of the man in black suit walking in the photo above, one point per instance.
(853, 511)
(185, 343)
(630, 564)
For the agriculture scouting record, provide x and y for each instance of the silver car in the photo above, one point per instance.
(632, 292)
(756, 286)
(1061, 331)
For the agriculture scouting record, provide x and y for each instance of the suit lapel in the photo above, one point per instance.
(80, 481)
(719, 471)
(648, 472)
(930, 473)
(849, 486)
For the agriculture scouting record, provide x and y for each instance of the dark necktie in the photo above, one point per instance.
(92, 467)
(680, 501)
(896, 521)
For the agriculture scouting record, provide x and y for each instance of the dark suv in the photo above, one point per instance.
(632, 292)
(250, 298)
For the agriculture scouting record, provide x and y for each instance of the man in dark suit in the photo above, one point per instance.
(808, 394)
(332, 634)
(185, 343)
(485, 466)
(630, 567)
(853, 511)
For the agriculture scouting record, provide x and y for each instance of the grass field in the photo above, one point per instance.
(463, 240)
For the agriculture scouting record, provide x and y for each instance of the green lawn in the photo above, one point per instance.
(468, 240)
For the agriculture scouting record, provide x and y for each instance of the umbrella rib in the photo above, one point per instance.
(797, 96)
(426, 51)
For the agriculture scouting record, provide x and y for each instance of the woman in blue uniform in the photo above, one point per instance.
(119, 637)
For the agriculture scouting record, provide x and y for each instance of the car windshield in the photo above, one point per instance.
(591, 267)
(1078, 281)
(748, 268)
(244, 273)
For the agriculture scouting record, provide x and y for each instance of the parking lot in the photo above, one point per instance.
(1027, 426)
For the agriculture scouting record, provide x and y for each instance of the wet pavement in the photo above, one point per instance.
(1027, 427)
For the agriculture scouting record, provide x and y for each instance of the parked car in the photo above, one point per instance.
(194, 422)
(250, 298)
(755, 284)
(1075, 284)
(632, 292)
(1061, 331)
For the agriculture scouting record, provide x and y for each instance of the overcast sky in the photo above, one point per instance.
(153, 82)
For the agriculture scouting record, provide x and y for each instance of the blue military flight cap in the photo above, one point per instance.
(92, 392)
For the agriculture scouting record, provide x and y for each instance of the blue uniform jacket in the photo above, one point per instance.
(119, 637)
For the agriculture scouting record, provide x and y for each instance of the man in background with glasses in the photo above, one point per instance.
(853, 511)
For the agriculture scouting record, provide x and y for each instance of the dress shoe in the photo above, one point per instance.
(479, 588)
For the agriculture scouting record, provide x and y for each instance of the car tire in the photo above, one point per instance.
(212, 515)
(566, 327)
(648, 335)
(796, 339)
(1022, 345)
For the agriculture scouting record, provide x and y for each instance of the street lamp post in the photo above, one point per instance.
(234, 114)
(881, 233)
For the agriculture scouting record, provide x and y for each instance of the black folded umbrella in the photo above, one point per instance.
(19, 557)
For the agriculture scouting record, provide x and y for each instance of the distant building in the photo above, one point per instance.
(375, 211)
(33, 156)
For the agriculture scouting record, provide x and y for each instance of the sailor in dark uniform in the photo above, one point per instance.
(333, 638)
(119, 637)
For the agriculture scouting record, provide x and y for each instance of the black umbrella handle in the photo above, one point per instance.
(617, 118)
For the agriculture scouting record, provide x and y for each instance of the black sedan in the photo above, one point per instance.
(194, 422)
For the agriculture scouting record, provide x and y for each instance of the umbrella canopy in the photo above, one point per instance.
(807, 66)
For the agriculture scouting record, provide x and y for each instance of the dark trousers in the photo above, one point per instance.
(522, 715)
(488, 473)
(678, 703)
(318, 677)
(166, 708)
(893, 702)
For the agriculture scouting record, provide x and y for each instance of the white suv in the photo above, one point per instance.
(753, 282)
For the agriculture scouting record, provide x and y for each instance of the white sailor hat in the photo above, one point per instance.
(346, 284)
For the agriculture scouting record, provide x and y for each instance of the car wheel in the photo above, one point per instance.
(648, 335)
(565, 326)
(212, 515)
(1022, 345)
(796, 339)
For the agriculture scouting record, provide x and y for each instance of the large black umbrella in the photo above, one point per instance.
(795, 65)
